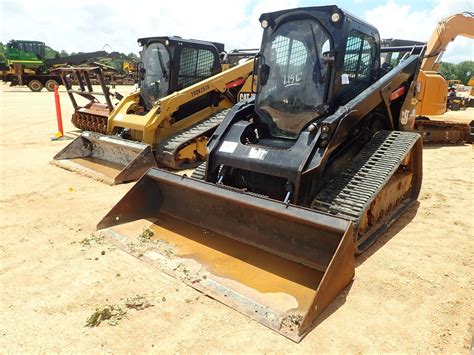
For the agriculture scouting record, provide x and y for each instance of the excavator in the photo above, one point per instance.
(434, 87)
(186, 88)
(298, 179)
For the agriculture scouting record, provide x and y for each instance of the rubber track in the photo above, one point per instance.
(351, 192)
(200, 172)
(173, 143)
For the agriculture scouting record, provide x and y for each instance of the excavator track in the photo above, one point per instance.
(168, 150)
(353, 193)
(444, 131)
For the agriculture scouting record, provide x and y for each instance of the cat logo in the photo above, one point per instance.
(245, 95)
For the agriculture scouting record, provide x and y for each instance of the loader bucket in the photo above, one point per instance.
(106, 158)
(280, 265)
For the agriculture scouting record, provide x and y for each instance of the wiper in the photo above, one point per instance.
(163, 69)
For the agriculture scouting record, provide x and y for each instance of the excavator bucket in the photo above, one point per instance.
(278, 264)
(106, 158)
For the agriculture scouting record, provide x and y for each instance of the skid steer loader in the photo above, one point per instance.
(186, 88)
(298, 179)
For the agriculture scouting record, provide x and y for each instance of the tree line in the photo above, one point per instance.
(461, 71)
(50, 53)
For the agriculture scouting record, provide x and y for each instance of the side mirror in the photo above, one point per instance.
(263, 74)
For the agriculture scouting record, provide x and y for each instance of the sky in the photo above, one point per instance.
(91, 25)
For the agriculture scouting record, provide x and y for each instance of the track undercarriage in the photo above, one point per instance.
(381, 183)
(443, 132)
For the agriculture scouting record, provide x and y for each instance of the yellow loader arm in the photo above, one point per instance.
(160, 115)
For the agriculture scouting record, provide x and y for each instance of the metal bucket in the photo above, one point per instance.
(278, 264)
(106, 158)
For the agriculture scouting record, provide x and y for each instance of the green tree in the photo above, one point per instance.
(465, 70)
(133, 56)
(50, 53)
(2, 51)
(461, 71)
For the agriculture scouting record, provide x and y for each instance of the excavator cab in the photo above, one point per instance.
(297, 179)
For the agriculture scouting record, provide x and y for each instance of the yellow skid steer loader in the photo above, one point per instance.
(186, 88)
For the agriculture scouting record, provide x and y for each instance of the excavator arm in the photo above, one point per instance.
(433, 87)
(447, 30)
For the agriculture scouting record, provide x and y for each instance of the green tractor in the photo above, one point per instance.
(25, 65)
(29, 54)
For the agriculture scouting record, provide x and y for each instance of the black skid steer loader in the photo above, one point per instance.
(298, 179)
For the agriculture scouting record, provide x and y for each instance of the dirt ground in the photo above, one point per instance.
(413, 290)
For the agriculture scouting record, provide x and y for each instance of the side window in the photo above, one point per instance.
(205, 62)
(359, 56)
(194, 65)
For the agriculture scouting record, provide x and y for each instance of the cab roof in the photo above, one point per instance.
(175, 39)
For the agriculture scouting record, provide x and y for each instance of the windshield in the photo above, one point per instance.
(296, 77)
(155, 84)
